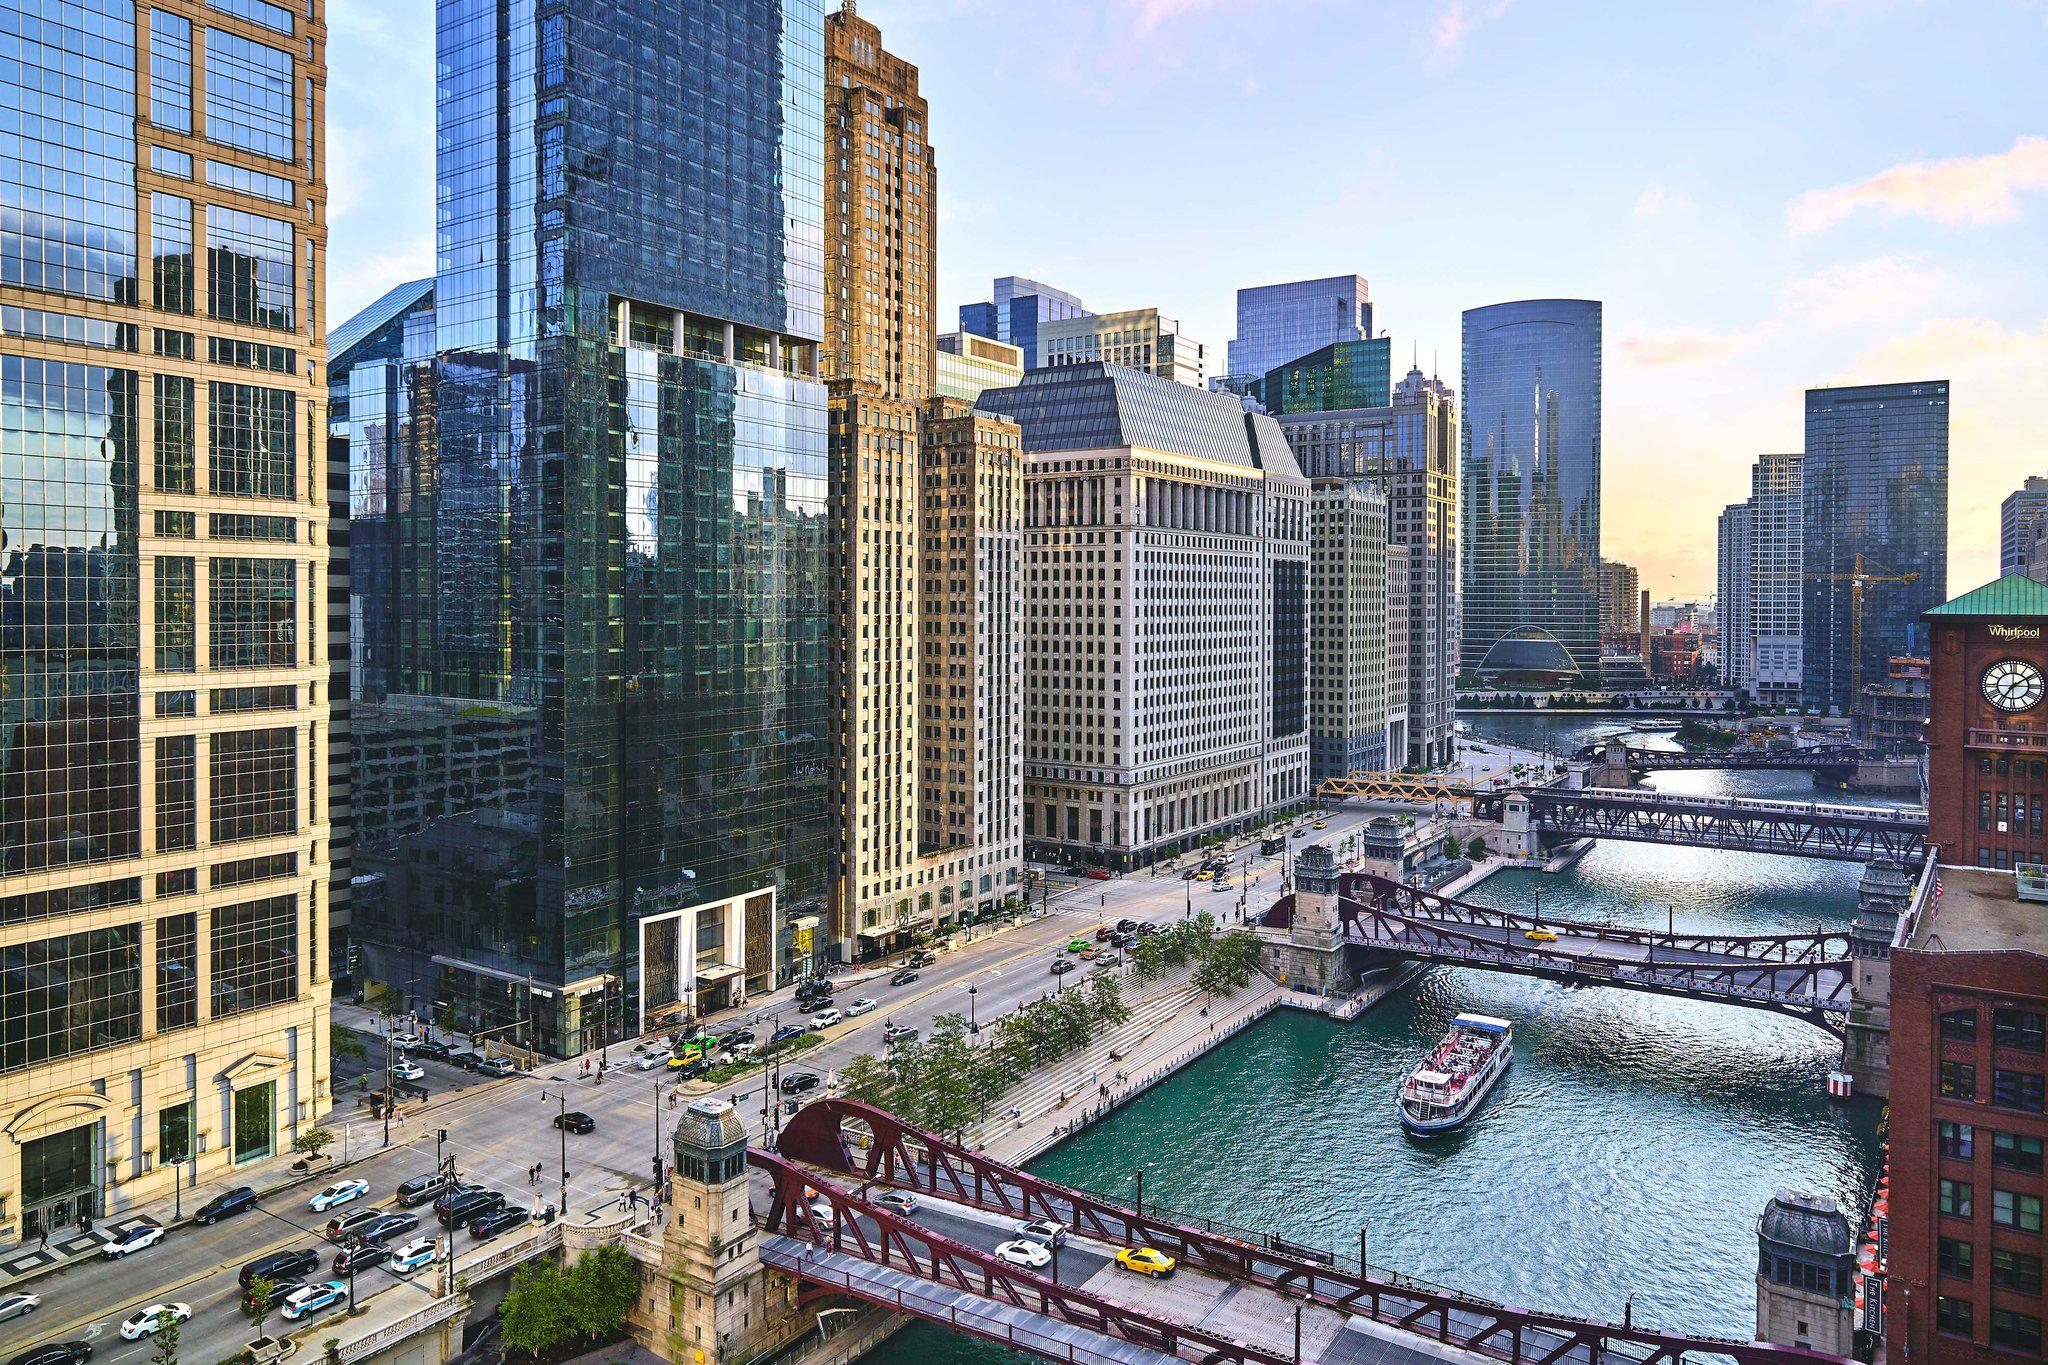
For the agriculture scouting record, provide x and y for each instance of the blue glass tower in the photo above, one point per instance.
(1277, 323)
(1531, 462)
(1016, 311)
(610, 522)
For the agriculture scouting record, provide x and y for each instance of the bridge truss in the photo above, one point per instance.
(873, 1146)
(1421, 787)
(1809, 758)
(1843, 833)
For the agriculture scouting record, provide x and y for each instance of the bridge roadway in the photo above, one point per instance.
(1808, 976)
(1805, 829)
(1804, 758)
(1236, 1296)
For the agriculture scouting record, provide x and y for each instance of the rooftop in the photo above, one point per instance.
(2013, 595)
(1980, 911)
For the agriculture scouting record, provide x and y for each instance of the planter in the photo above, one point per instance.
(264, 1350)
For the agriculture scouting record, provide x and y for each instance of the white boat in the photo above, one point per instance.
(1451, 1084)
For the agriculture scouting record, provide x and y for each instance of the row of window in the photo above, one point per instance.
(2018, 1331)
(2023, 1030)
(2009, 1089)
(2009, 1151)
(253, 619)
(2009, 1208)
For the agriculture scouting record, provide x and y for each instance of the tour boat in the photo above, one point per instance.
(1453, 1082)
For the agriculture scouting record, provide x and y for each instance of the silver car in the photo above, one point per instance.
(18, 1305)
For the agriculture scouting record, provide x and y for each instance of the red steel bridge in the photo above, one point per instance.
(1802, 829)
(1235, 1296)
(1807, 976)
(1811, 757)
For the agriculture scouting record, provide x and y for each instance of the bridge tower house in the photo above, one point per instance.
(713, 1301)
(1805, 1274)
(1884, 894)
(1315, 960)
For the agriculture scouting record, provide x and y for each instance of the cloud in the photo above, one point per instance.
(1963, 189)
(1457, 20)
(1679, 346)
(1150, 14)
(1867, 291)
(1656, 200)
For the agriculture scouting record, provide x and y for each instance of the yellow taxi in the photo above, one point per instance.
(1205, 876)
(1145, 1261)
(1539, 935)
(1322, 824)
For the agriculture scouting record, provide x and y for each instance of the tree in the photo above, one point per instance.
(165, 1350)
(345, 1042)
(1227, 963)
(536, 1315)
(1107, 1003)
(313, 1141)
(1477, 850)
(255, 1305)
(866, 1079)
(1452, 847)
(602, 1288)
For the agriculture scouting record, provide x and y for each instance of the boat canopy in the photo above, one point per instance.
(1430, 1078)
(1485, 1023)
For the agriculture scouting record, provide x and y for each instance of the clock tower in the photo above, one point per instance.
(1987, 729)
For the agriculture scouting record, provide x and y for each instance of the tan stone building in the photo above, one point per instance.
(927, 504)
(164, 571)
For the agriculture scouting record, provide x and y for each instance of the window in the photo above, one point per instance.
(254, 784)
(1959, 1026)
(2016, 1331)
(1955, 1257)
(166, 161)
(177, 972)
(249, 268)
(2014, 1152)
(250, 182)
(174, 1123)
(183, 882)
(175, 344)
(2018, 1270)
(255, 955)
(68, 995)
(176, 525)
(174, 431)
(2011, 1209)
(2019, 1029)
(69, 900)
(256, 11)
(1954, 1198)
(170, 247)
(254, 617)
(176, 628)
(246, 870)
(1952, 1316)
(174, 705)
(230, 700)
(1956, 1139)
(250, 451)
(243, 526)
(170, 71)
(2016, 1089)
(248, 95)
(1958, 1081)
(177, 793)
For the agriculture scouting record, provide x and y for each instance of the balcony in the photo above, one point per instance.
(2031, 741)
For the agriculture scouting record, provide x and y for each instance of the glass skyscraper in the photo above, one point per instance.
(1532, 489)
(606, 525)
(1876, 503)
(1277, 323)
(1335, 378)
(1017, 310)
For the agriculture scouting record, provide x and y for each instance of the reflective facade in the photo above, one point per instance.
(1277, 323)
(1876, 486)
(1333, 378)
(1532, 489)
(164, 827)
(1017, 310)
(603, 516)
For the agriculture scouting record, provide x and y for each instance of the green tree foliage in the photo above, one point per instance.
(1107, 1002)
(345, 1042)
(313, 1141)
(255, 1303)
(1452, 848)
(1476, 850)
(537, 1315)
(164, 1350)
(602, 1287)
(1228, 963)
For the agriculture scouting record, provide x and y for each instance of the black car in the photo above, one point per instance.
(281, 1265)
(797, 1082)
(387, 1227)
(904, 977)
(785, 1033)
(1148, 929)
(280, 1290)
(226, 1204)
(440, 1052)
(466, 1060)
(576, 1121)
(360, 1256)
(55, 1353)
(467, 1205)
(737, 1038)
(921, 959)
(485, 1226)
(1062, 965)
(1126, 926)
(421, 1188)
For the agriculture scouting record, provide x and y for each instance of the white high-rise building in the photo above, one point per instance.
(1166, 549)
(1732, 589)
(1139, 338)
(1777, 578)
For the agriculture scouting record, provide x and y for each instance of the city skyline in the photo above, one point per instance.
(1883, 237)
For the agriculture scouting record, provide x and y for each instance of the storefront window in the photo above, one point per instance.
(255, 1110)
(174, 1133)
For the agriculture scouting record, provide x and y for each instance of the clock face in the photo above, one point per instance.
(2012, 685)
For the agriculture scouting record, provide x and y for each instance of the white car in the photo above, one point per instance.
(135, 1239)
(18, 1305)
(897, 1201)
(1030, 1255)
(406, 1070)
(339, 1193)
(649, 1061)
(146, 1322)
(860, 1006)
(826, 1019)
(823, 1213)
(406, 1040)
(1043, 1230)
(412, 1256)
(313, 1298)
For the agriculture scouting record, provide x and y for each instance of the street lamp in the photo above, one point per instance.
(561, 1099)
(972, 1026)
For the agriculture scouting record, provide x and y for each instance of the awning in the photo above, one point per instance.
(718, 971)
(883, 931)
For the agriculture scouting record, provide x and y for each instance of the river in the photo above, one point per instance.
(1626, 1155)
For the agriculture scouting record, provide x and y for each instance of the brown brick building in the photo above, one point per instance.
(1987, 732)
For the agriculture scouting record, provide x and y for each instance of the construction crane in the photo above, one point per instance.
(1857, 581)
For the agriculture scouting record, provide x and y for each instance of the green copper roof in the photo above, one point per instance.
(2013, 595)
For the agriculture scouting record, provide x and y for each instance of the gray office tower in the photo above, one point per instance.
(1277, 323)
(1876, 505)
(1532, 491)
(597, 521)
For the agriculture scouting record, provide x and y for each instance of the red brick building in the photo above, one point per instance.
(1969, 996)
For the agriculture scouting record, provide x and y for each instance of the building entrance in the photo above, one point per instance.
(60, 1182)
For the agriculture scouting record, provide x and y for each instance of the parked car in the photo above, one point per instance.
(1109, 959)
(468, 1061)
(895, 1035)
(343, 1226)
(18, 1305)
(1029, 1255)
(339, 1193)
(1099, 874)
(313, 1298)
(864, 1005)
(1145, 930)
(387, 1226)
(576, 1121)
(1062, 965)
(280, 1265)
(897, 1201)
(280, 1290)
(407, 1071)
(412, 1256)
(1043, 1230)
(133, 1240)
(407, 1039)
(421, 1188)
(785, 1033)
(825, 1019)
(55, 1353)
(798, 1082)
(226, 1204)
(497, 1066)
(652, 1059)
(357, 1257)
(923, 957)
(147, 1322)
(485, 1226)
(904, 977)
(467, 1206)
(440, 1052)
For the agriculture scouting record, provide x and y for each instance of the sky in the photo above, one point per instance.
(1766, 195)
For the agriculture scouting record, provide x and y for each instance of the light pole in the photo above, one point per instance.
(561, 1099)
(972, 1027)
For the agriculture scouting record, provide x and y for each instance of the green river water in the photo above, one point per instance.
(1628, 1152)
